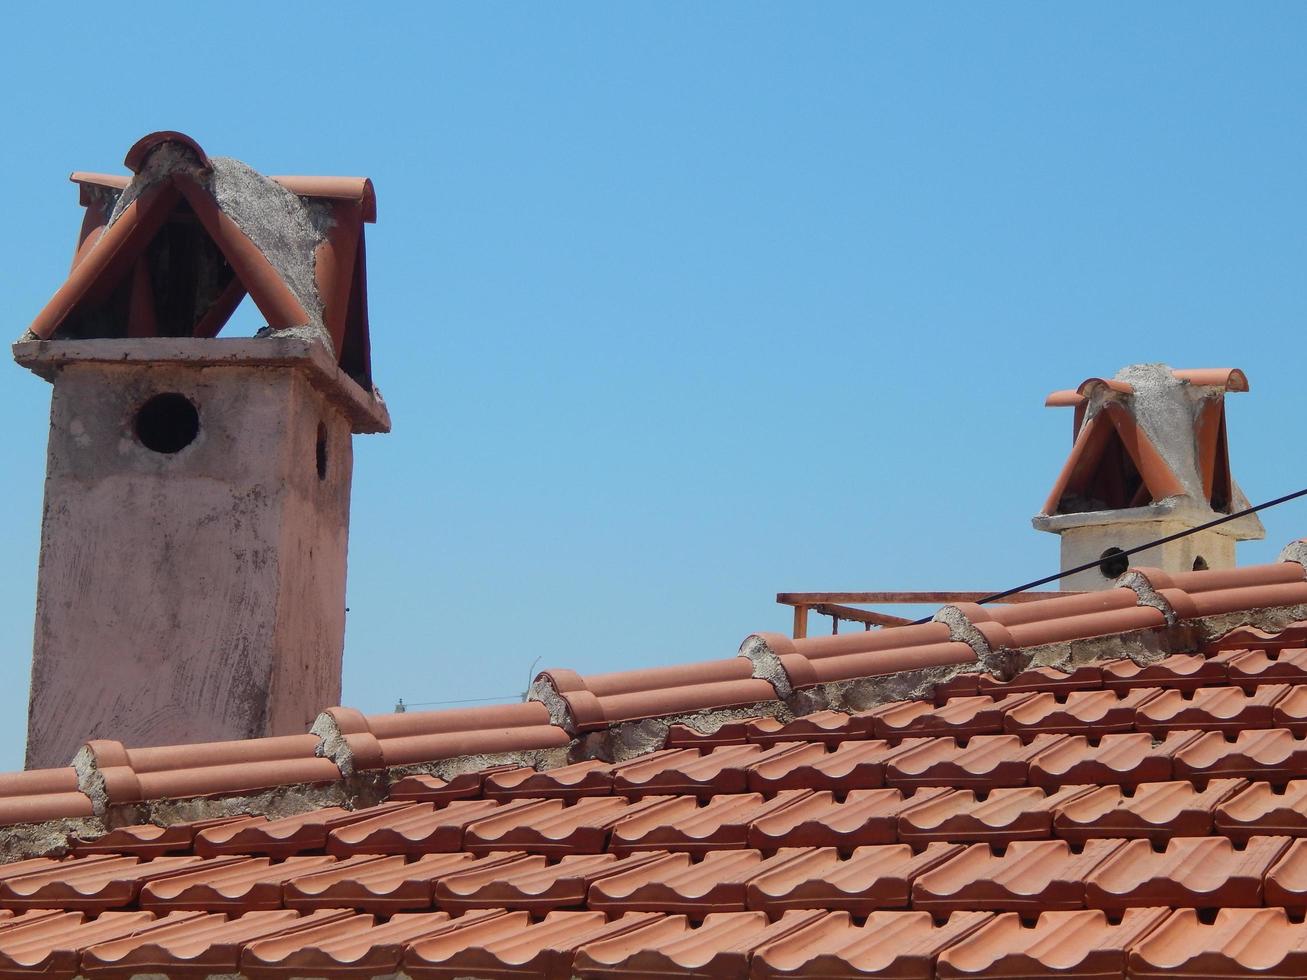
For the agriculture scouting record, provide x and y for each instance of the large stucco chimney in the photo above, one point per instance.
(191, 584)
(1149, 458)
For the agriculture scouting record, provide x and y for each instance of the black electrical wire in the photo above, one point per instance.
(1135, 550)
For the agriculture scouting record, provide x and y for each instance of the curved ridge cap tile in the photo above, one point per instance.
(143, 147)
(1088, 387)
(39, 808)
(358, 190)
(1249, 598)
(568, 700)
(775, 658)
(1066, 398)
(1231, 379)
(964, 622)
(1243, 576)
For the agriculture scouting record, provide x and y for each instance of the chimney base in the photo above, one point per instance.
(1102, 542)
(193, 540)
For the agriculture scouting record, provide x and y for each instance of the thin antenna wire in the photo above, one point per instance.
(1225, 519)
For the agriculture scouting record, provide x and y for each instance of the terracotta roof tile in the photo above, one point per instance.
(722, 822)
(1220, 709)
(1202, 872)
(957, 718)
(1274, 754)
(1125, 760)
(1087, 677)
(531, 882)
(1027, 877)
(555, 828)
(868, 816)
(1002, 816)
(1082, 944)
(1181, 672)
(1264, 809)
(1155, 811)
(890, 944)
(513, 946)
(1079, 712)
(289, 835)
(1273, 666)
(1238, 942)
(673, 946)
(986, 762)
(235, 886)
(852, 765)
(91, 884)
(875, 877)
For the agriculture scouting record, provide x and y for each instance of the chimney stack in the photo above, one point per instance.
(1149, 458)
(191, 584)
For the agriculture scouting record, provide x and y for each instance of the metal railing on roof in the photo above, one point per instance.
(840, 606)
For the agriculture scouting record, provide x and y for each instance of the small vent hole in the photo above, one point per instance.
(1113, 563)
(167, 423)
(1200, 564)
(322, 451)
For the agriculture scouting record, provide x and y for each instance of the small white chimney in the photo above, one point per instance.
(1149, 459)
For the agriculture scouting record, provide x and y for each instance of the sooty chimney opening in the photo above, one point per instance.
(1113, 563)
(167, 423)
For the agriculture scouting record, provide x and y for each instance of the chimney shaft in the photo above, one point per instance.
(191, 584)
(1149, 459)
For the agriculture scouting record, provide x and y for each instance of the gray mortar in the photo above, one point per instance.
(1295, 551)
(961, 630)
(280, 801)
(1168, 417)
(285, 230)
(460, 765)
(766, 664)
(89, 780)
(332, 745)
(1273, 620)
(559, 713)
(1146, 595)
(51, 838)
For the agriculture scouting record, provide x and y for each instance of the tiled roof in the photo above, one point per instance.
(1103, 785)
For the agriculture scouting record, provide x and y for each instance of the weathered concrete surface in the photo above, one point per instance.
(1088, 543)
(196, 596)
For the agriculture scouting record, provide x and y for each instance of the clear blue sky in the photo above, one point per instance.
(679, 306)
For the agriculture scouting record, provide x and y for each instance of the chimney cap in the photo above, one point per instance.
(1228, 379)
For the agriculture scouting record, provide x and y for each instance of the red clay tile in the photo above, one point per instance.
(411, 737)
(236, 886)
(723, 770)
(1274, 755)
(723, 822)
(893, 945)
(41, 794)
(1027, 877)
(433, 789)
(1081, 944)
(1249, 667)
(150, 840)
(532, 884)
(289, 835)
(49, 946)
(874, 877)
(1291, 711)
(1253, 943)
(1254, 638)
(1155, 811)
(718, 883)
(1263, 809)
(193, 948)
(828, 727)
(868, 816)
(1179, 672)
(419, 829)
(672, 946)
(91, 884)
(554, 828)
(1125, 760)
(1043, 679)
(1285, 883)
(355, 947)
(1201, 872)
(589, 778)
(512, 946)
(958, 686)
(984, 762)
(1003, 816)
(384, 885)
(1219, 709)
(957, 718)
(684, 737)
(1091, 713)
(851, 765)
